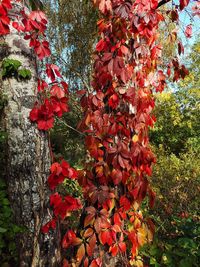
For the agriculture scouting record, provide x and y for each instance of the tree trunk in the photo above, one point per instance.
(28, 161)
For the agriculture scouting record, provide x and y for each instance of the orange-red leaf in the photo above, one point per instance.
(80, 253)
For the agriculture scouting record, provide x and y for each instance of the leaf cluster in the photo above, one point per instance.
(11, 68)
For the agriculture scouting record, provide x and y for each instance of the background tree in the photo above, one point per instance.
(176, 176)
(72, 31)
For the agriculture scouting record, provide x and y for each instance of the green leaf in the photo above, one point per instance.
(5, 202)
(11, 63)
(10, 67)
(2, 184)
(154, 262)
(186, 262)
(187, 243)
(3, 230)
(154, 251)
(166, 258)
(24, 74)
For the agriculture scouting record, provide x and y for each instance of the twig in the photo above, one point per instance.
(163, 2)
(78, 74)
(72, 128)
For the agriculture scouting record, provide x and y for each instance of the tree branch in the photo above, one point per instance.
(80, 76)
(69, 126)
(163, 2)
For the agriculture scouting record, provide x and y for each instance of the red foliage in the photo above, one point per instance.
(5, 5)
(59, 172)
(117, 115)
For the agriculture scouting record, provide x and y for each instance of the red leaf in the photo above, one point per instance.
(65, 263)
(92, 242)
(52, 71)
(113, 101)
(106, 237)
(188, 31)
(183, 4)
(152, 196)
(51, 224)
(18, 27)
(114, 250)
(39, 16)
(55, 200)
(86, 262)
(116, 176)
(104, 5)
(96, 263)
(42, 85)
(89, 220)
(6, 4)
(56, 168)
(68, 239)
(124, 49)
(34, 114)
(45, 124)
(88, 232)
(117, 219)
(42, 49)
(101, 45)
(4, 25)
(80, 253)
(125, 203)
(180, 48)
(57, 91)
(122, 246)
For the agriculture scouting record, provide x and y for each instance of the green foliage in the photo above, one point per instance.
(177, 119)
(176, 180)
(181, 248)
(66, 141)
(8, 230)
(11, 68)
(177, 111)
(24, 74)
(176, 175)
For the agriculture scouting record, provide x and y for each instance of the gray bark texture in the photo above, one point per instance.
(28, 160)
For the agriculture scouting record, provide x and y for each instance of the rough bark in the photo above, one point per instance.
(28, 161)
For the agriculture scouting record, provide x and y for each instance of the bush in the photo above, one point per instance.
(176, 181)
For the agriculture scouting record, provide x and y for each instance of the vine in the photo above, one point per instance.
(117, 114)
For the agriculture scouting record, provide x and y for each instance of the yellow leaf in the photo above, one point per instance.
(141, 235)
(135, 138)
